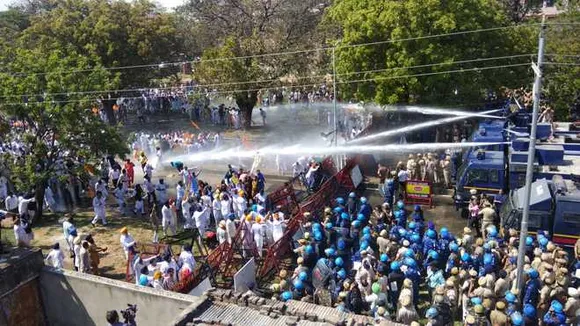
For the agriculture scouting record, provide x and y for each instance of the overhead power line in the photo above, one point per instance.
(273, 80)
(318, 84)
(162, 64)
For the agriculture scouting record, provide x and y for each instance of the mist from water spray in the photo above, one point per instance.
(414, 127)
(440, 111)
(301, 150)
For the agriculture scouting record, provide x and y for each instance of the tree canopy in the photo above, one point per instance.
(388, 69)
(251, 29)
(119, 33)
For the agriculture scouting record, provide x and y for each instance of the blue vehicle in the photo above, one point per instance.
(554, 207)
(490, 172)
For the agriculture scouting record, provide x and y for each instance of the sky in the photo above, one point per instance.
(166, 3)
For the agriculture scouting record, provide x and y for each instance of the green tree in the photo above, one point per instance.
(375, 21)
(119, 33)
(250, 29)
(58, 126)
(561, 83)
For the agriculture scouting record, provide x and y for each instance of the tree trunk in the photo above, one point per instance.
(246, 102)
(39, 197)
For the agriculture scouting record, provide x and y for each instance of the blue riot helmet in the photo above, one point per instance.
(397, 214)
(363, 200)
(338, 210)
(517, 319)
(366, 230)
(361, 218)
(557, 306)
(384, 258)
(340, 200)
(412, 225)
(475, 301)
(415, 238)
(395, 266)
(417, 208)
(529, 241)
(465, 257)
(356, 224)
(303, 276)
(329, 225)
(286, 295)
(341, 273)
(329, 252)
(254, 208)
(364, 245)
(487, 260)
(352, 195)
(510, 297)
(309, 249)
(486, 247)
(298, 285)
(543, 241)
(344, 216)
(453, 247)
(431, 313)
(317, 235)
(533, 273)
(400, 204)
(410, 262)
(316, 226)
(232, 216)
(341, 244)
(339, 262)
(431, 234)
(433, 254)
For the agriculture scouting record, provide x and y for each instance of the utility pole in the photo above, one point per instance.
(531, 157)
(337, 160)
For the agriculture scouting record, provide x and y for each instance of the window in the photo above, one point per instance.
(535, 220)
(476, 175)
(571, 217)
(493, 176)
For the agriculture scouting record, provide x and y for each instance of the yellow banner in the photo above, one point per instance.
(418, 188)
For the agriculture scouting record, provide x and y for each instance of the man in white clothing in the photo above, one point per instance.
(240, 204)
(161, 192)
(231, 227)
(99, 209)
(216, 210)
(186, 259)
(49, 201)
(222, 234)
(23, 206)
(201, 218)
(55, 257)
(11, 202)
(127, 242)
(167, 220)
(67, 226)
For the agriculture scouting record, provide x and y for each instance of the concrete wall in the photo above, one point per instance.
(72, 298)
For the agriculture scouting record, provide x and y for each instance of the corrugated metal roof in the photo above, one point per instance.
(244, 316)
